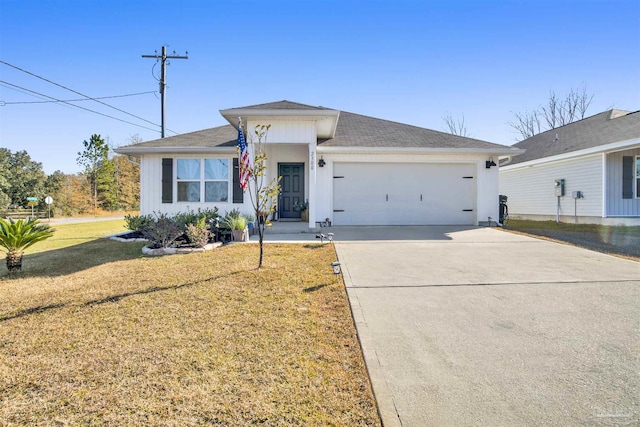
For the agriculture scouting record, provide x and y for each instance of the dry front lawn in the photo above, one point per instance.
(103, 336)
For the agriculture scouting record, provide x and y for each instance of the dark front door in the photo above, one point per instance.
(292, 189)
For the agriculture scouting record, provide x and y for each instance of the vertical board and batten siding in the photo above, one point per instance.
(616, 205)
(151, 188)
(151, 184)
(287, 132)
(531, 191)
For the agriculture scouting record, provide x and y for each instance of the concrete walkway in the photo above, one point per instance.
(475, 326)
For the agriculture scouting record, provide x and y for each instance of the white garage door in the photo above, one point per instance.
(404, 194)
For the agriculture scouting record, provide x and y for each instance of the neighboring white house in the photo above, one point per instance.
(599, 157)
(352, 169)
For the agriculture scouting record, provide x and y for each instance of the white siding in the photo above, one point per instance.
(151, 188)
(616, 205)
(485, 180)
(530, 189)
(291, 131)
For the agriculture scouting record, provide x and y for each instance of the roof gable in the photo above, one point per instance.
(601, 129)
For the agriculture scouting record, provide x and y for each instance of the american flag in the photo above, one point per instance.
(245, 161)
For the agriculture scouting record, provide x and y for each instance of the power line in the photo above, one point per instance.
(73, 105)
(75, 100)
(79, 93)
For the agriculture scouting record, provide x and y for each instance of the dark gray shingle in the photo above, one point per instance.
(355, 130)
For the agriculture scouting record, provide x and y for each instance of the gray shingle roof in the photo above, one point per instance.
(221, 136)
(282, 105)
(601, 129)
(353, 130)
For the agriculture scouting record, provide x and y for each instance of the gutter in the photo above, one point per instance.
(138, 151)
(418, 150)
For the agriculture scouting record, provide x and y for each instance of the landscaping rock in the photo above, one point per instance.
(171, 251)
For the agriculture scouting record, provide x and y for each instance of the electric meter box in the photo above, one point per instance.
(559, 187)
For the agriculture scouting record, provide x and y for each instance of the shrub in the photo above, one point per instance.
(16, 236)
(209, 215)
(137, 222)
(183, 219)
(234, 220)
(162, 231)
(198, 234)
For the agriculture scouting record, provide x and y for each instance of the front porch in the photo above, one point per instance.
(292, 227)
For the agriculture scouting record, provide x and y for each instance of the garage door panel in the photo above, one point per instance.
(404, 194)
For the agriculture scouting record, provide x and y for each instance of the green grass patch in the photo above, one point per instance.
(66, 235)
(198, 339)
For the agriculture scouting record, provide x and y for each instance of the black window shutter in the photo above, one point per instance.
(167, 180)
(627, 177)
(238, 194)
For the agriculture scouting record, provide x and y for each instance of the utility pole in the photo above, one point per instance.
(163, 81)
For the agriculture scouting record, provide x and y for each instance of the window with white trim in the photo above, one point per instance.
(202, 179)
(216, 180)
(188, 177)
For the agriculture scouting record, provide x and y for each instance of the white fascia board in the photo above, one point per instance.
(319, 116)
(173, 150)
(608, 148)
(418, 150)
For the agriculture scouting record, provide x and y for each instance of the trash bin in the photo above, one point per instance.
(504, 210)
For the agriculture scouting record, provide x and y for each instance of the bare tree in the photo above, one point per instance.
(527, 124)
(557, 112)
(552, 111)
(584, 101)
(456, 127)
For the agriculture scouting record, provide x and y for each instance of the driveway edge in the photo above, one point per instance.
(384, 399)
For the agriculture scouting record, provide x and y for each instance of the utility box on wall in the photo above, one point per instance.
(559, 185)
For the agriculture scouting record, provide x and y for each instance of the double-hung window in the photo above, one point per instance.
(188, 177)
(216, 180)
(202, 180)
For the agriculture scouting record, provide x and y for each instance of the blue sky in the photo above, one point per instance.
(404, 60)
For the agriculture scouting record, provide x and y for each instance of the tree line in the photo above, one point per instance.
(108, 182)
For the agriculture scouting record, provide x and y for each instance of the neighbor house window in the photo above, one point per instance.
(216, 180)
(188, 177)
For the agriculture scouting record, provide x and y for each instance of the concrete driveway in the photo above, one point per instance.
(475, 326)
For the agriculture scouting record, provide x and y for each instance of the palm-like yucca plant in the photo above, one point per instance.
(16, 236)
